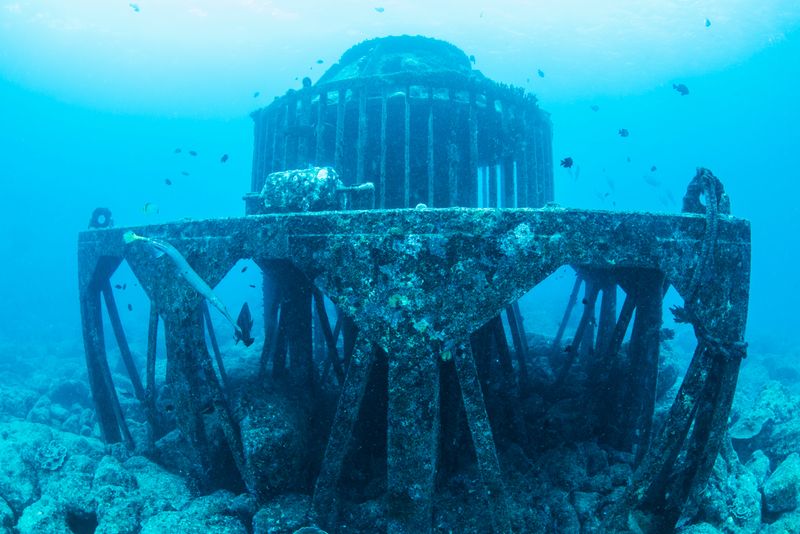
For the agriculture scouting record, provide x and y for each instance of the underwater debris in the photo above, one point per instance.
(623, 132)
(224, 158)
(306, 82)
(681, 88)
(566, 162)
(185, 270)
(245, 324)
(472, 59)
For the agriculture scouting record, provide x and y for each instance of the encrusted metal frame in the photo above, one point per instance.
(416, 284)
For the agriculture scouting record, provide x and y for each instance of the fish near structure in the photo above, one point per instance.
(245, 324)
(185, 270)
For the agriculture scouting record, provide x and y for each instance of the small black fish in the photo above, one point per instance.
(566, 162)
(253, 286)
(124, 287)
(708, 23)
(118, 286)
(623, 132)
(184, 173)
(224, 158)
(306, 82)
(594, 107)
(681, 88)
(472, 59)
(653, 168)
(167, 181)
(540, 72)
(256, 94)
(320, 62)
(245, 323)
(192, 153)
(135, 7)
(628, 159)
(130, 307)
(177, 151)
(244, 268)
(379, 9)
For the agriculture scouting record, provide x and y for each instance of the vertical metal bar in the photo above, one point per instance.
(431, 166)
(122, 341)
(150, 393)
(547, 164)
(411, 450)
(493, 200)
(407, 149)
(290, 140)
(214, 345)
(103, 393)
(270, 291)
(333, 355)
(573, 298)
(520, 345)
(257, 169)
(340, 117)
(469, 198)
(279, 138)
(322, 108)
(608, 317)
(344, 422)
(384, 119)
(453, 154)
(482, 440)
(361, 144)
(588, 315)
(643, 350)
(266, 148)
(304, 141)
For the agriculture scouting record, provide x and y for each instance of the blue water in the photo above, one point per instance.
(94, 99)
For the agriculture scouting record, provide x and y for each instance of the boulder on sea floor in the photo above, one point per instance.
(782, 488)
(769, 423)
(211, 514)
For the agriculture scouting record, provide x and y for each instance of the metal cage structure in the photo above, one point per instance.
(411, 116)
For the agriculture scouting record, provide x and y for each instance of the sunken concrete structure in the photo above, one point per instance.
(398, 317)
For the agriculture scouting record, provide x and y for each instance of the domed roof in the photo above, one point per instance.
(401, 55)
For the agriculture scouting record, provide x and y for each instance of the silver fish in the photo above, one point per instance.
(186, 271)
